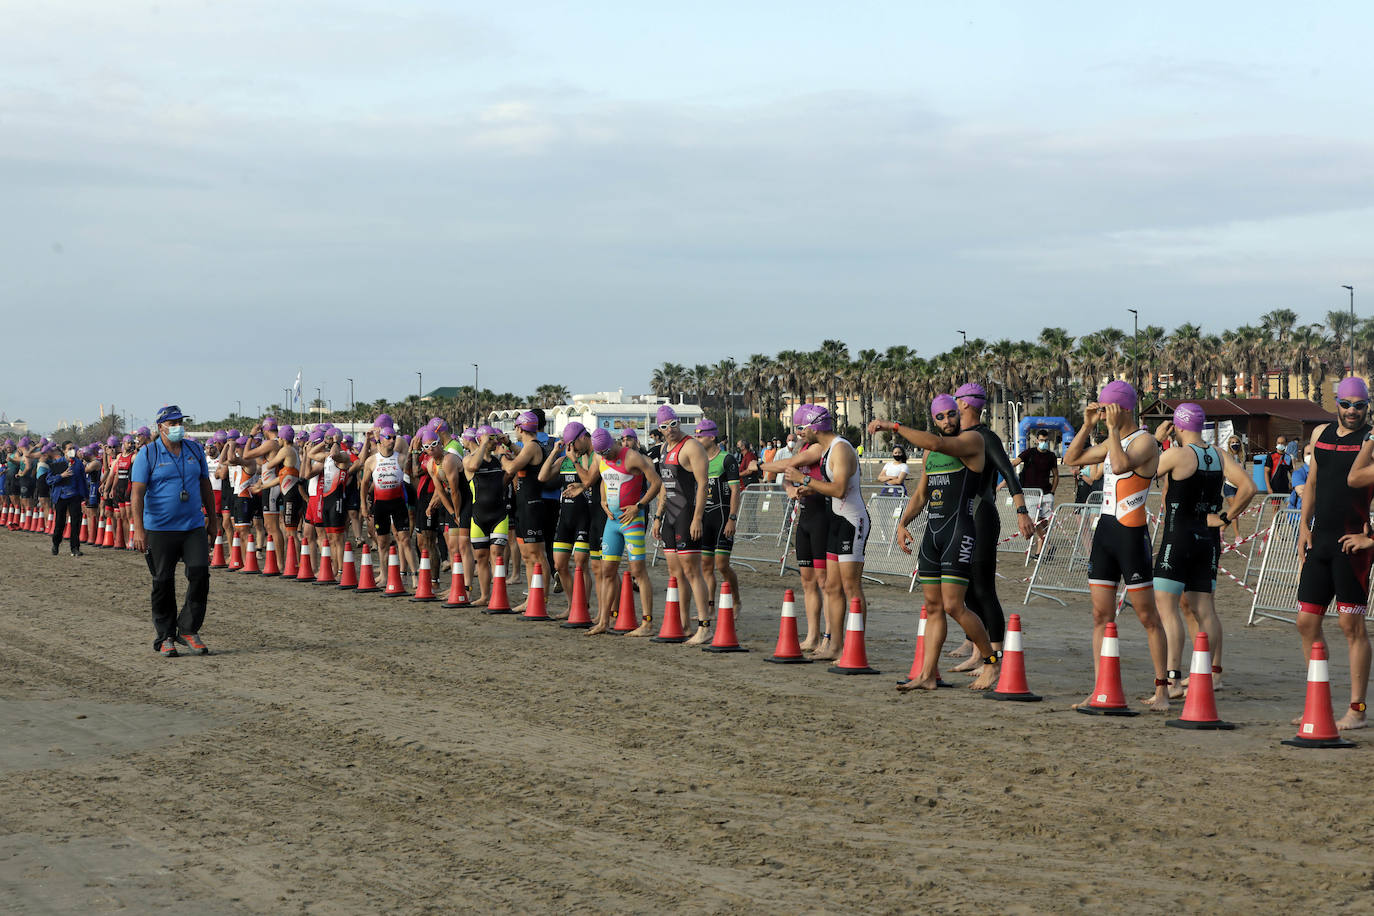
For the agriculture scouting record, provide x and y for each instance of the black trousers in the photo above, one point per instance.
(67, 508)
(165, 548)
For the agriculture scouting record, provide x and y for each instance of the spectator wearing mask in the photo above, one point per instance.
(894, 473)
(1278, 468)
(749, 473)
(1299, 479)
(1040, 471)
(68, 488)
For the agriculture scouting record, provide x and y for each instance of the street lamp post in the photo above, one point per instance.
(286, 402)
(1352, 326)
(1136, 347)
(476, 410)
(238, 412)
(964, 354)
(319, 405)
(352, 405)
(420, 389)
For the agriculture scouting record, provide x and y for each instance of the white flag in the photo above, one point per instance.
(296, 389)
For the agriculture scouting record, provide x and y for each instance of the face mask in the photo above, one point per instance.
(176, 432)
(1043, 446)
(71, 453)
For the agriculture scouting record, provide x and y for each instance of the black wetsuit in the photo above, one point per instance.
(1189, 550)
(1338, 509)
(946, 553)
(987, 523)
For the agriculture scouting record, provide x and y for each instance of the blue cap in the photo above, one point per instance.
(168, 414)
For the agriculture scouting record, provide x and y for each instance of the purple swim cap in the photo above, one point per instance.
(665, 414)
(383, 419)
(527, 421)
(143, 431)
(317, 435)
(427, 435)
(111, 442)
(812, 416)
(241, 441)
(1353, 389)
(572, 432)
(602, 440)
(972, 393)
(347, 440)
(387, 432)
(488, 430)
(440, 425)
(234, 434)
(1119, 393)
(127, 440)
(470, 433)
(270, 424)
(288, 433)
(1189, 417)
(630, 433)
(219, 436)
(707, 427)
(942, 403)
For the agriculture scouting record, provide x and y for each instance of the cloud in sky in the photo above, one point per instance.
(238, 190)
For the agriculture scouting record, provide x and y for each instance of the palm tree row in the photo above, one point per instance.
(1053, 374)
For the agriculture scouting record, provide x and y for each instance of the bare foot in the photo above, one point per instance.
(1177, 689)
(826, 655)
(1351, 721)
(1157, 703)
(964, 648)
(1297, 720)
(1087, 701)
(810, 644)
(987, 679)
(930, 683)
(520, 608)
(481, 602)
(702, 635)
(644, 629)
(969, 664)
(598, 629)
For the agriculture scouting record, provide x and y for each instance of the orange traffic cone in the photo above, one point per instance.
(671, 630)
(1318, 727)
(289, 569)
(535, 606)
(85, 530)
(457, 587)
(111, 525)
(326, 574)
(100, 537)
(367, 577)
(217, 558)
(579, 618)
(625, 620)
(724, 639)
(424, 583)
(788, 650)
(1109, 699)
(304, 572)
(1200, 703)
(854, 657)
(250, 561)
(499, 601)
(129, 542)
(919, 661)
(235, 554)
(394, 587)
(67, 530)
(1011, 683)
(270, 567)
(119, 542)
(348, 575)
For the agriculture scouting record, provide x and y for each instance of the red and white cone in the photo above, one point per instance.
(625, 619)
(457, 587)
(1108, 699)
(788, 650)
(394, 587)
(304, 571)
(348, 575)
(269, 566)
(724, 639)
(671, 629)
(919, 661)
(236, 554)
(424, 583)
(250, 559)
(367, 574)
(1200, 703)
(499, 602)
(535, 606)
(1011, 682)
(1318, 728)
(326, 574)
(854, 656)
(289, 569)
(579, 616)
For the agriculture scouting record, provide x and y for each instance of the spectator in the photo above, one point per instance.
(1278, 468)
(748, 466)
(894, 473)
(173, 505)
(68, 489)
(1040, 471)
(1299, 479)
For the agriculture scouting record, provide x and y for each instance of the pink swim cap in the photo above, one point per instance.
(813, 416)
(666, 414)
(1119, 393)
(572, 432)
(602, 440)
(942, 403)
(1353, 389)
(1189, 417)
(973, 393)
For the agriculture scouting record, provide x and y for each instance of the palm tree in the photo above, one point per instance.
(830, 357)
(667, 380)
(547, 396)
(760, 384)
(725, 378)
(1342, 326)
(1304, 352)
(1058, 344)
(1280, 323)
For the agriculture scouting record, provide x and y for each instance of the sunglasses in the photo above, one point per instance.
(947, 413)
(1352, 405)
(671, 424)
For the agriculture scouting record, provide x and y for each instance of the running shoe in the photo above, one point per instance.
(54, 550)
(168, 648)
(192, 642)
(77, 553)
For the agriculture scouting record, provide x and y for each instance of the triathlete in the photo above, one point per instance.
(1333, 538)
(570, 462)
(951, 480)
(1193, 515)
(722, 511)
(1121, 541)
(812, 530)
(522, 469)
(384, 495)
(679, 523)
(269, 457)
(849, 524)
(628, 484)
(490, 526)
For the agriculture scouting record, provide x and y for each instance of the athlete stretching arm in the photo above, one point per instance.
(914, 507)
(967, 444)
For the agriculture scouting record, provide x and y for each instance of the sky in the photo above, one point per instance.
(205, 197)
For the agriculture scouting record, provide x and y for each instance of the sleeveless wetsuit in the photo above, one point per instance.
(721, 472)
(529, 501)
(946, 553)
(678, 503)
(574, 513)
(490, 523)
(623, 488)
(987, 531)
(813, 523)
(1338, 509)
(1189, 550)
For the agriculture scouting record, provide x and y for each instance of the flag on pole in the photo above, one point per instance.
(296, 390)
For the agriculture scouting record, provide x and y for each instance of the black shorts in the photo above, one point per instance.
(676, 533)
(333, 515)
(813, 535)
(293, 507)
(595, 529)
(1120, 554)
(271, 501)
(121, 491)
(848, 538)
(426, 521)
(574, 525)
(41, 486)
(255, 505)
(388, 514)
(1328, 573)
(946, 552)
(713, 522)
(529, 521)
(241, 510)
(1187, 560)
(352, 500)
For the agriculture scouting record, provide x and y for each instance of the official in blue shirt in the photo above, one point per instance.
(67, 488)
(172, 506)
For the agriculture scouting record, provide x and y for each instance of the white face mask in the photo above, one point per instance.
(1043, 445)
(71, 453)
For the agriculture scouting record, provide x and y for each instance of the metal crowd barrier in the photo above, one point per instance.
(1063, 563)
(1006, 511)
(1276, 592)
(763, 532)
(883, 556)
(1254, 550)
